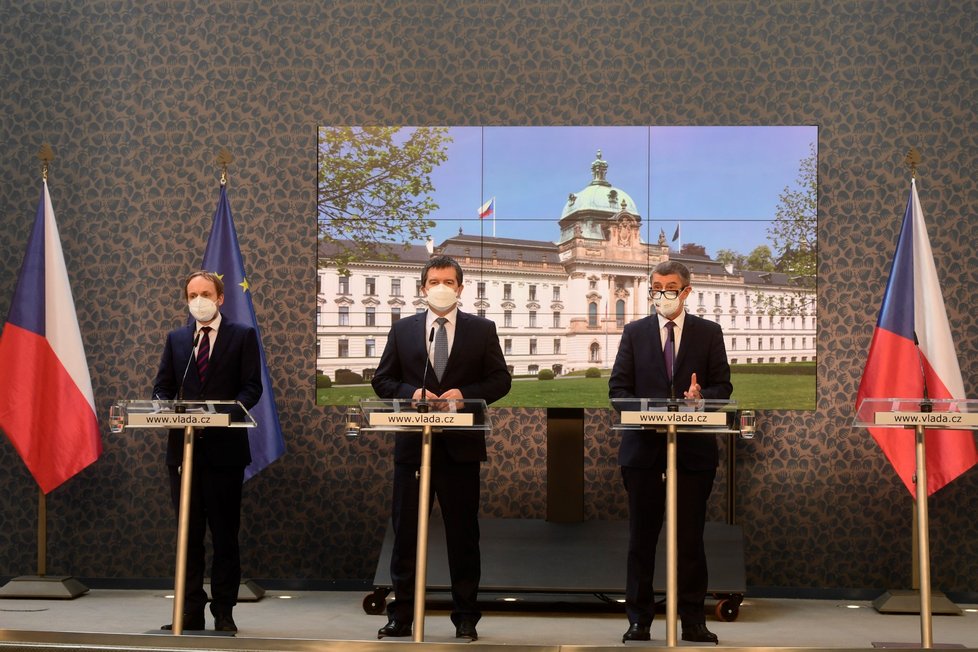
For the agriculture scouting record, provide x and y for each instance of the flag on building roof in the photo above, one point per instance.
(47, 407)
(675, 236)
(912, 356)
(223, 256)
(487, 209)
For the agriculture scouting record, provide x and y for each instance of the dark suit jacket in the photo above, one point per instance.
(234, 374)
(476, 367)
(640, 372)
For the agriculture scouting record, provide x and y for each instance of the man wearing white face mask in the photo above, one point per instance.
(224, 365)
(454, 355)
(672, 354)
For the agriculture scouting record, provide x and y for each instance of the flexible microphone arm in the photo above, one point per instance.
(423, 403)
(193, 354)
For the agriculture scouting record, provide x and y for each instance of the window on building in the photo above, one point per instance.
(748, 347)
(733, 321)
(770, 343)
(417, 288)
(481, 312)
(370, 317)
(370, 286)
(759, 323)
(396, 287)
(533, 293)
(344, 285)
(770, 321)
(733, 300)
(782, 342)
(344, 316)
(508, 291)
(594, 353)
(733, 343)
(557, 346)
(532, 369)
(343, 349)
(556, 319)
(556, 293)
(395, 315)
(716, 299)
(592, 315)
(480, 290)
(507, 346)
(760, 343)
(700, 298)
(592, 284)
(792, 343)
(370, 347)
(508, 318)
(533, 346)
(533, 319)
(620, 314)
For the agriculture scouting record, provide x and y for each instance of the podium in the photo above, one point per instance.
(920, 415)
(188, 415)
(691, 418)
(428, 417)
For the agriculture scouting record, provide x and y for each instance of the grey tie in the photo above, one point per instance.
(441, 347)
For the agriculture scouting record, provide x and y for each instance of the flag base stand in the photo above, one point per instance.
(43, 587)
(908, 602)
(248, 590)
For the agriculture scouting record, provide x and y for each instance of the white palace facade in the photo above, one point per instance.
(562, 306)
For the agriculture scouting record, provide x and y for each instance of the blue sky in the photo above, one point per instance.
(722, 183)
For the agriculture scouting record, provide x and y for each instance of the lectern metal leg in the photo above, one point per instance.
(183, 529)
(923, 544)
(421, 563)
(672, 554)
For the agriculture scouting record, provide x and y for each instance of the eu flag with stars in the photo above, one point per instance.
(223, 257)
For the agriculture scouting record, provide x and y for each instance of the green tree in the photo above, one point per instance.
(793, 235)
(730, 257)
(375, 190)
(760, 259)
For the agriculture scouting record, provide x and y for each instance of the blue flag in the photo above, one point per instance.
(223, 257)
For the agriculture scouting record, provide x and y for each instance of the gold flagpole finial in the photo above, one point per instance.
(911, 160)
(46, 154)
(224, 159)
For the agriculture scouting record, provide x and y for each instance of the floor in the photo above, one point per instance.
(283, 619)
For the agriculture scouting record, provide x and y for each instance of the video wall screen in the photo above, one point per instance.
(557, 230)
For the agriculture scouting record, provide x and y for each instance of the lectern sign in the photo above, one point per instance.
(946, 420)
(653, 418)
(453, 419)
(174, 420)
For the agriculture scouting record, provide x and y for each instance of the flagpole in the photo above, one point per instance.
(494, 217)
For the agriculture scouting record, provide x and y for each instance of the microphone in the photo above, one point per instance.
(193, 354)
(422, 405)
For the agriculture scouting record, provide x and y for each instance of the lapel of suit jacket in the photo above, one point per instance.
(657, 355)
(461, 322)
(689, 335)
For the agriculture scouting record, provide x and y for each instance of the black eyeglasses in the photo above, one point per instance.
(668, 294)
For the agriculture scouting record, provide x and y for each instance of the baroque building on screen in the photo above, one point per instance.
(562, 305)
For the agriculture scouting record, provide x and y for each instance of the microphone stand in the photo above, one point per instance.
(422, 405)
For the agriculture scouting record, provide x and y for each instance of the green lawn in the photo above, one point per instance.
(784, 387)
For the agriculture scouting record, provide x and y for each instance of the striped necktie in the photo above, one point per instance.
(441, 348)
(203, 353)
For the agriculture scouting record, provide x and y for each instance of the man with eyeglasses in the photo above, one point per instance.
(671, 354)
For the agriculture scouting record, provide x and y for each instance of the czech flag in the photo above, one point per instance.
(487, 209)
(47, 407)
(913, 311)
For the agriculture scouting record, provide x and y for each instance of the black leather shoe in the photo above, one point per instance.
(698, 633)
(223, 622)
(636, 632)
(394, 628)
(466, 629)
(194, 622)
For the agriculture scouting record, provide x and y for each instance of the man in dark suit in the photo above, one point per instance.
(699, 369)
(210, 359)
(474, 368)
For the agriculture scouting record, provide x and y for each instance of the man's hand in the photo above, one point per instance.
(452, 400)
(694, 389)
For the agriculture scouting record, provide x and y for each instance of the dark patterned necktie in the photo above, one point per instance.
(670, 350)
(441, 347)
(203, 353)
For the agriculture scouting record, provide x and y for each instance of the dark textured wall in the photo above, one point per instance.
(137, 99)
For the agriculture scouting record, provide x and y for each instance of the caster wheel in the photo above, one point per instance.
(375, 603)
(727, 610)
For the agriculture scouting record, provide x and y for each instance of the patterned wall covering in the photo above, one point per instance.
(138, 98)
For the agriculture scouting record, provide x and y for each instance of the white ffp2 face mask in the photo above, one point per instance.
(442, 297)
(202, 308)
(667, 307)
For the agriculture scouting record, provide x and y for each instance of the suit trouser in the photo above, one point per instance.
(646, 507)
(215, 502)
(457, 487)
